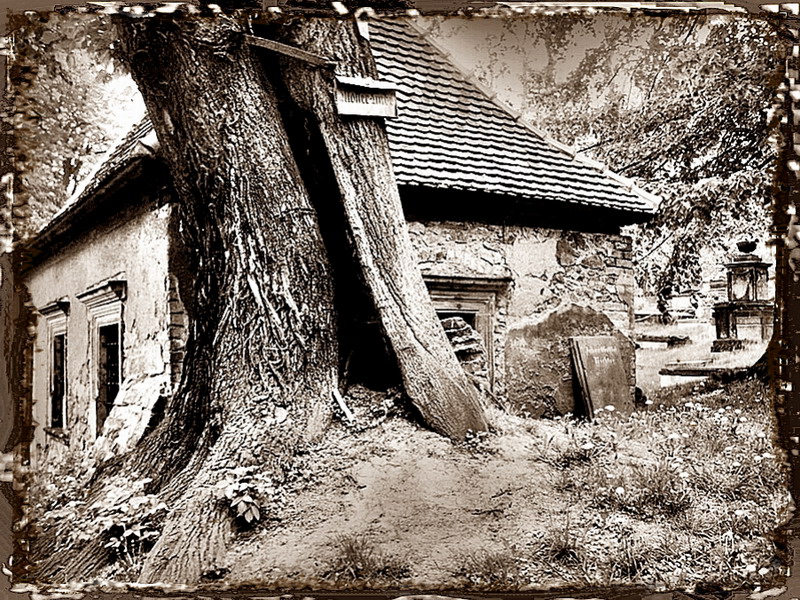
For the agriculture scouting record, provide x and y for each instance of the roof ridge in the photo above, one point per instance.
(139, 132)
(133, 134)
(491, 95)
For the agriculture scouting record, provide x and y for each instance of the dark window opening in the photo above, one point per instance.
(470, 300)
(58, 382)
(469, 317)
(109, 373)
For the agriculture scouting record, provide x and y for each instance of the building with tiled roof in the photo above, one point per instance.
(516, 236)
(451, 134)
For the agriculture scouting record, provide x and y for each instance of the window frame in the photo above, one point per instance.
(56, 316)
(101, 371)
(105, 305)
(473, 295)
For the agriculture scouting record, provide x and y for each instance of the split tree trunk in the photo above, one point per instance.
(357, 150)
(262, 354)
(263, 301)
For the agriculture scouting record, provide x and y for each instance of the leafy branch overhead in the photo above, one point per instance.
(73, 98)
(681, 105)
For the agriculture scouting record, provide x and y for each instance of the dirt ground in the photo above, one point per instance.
(414, 494)
(436, 507)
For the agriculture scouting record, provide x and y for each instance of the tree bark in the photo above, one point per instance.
(357, 151)
(262, 354)
(784, 348)
(263, 296)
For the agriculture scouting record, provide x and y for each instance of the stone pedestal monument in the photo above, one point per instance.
(747, 315)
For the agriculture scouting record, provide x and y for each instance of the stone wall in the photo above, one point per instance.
(560, 284)
(132, 248)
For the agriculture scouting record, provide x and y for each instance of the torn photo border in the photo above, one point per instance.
(789, 162)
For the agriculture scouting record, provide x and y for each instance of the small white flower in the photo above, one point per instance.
(587, 446)
(648, 402)
(768, 455)
(737, 464)
(739, 512)
(750, 568)
(620, 490)
(763, 571)
(683, 475)
(738, 411)
(610, 408)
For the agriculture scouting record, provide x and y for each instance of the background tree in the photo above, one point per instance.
(72, 99)
(682, 105)
(699, 136)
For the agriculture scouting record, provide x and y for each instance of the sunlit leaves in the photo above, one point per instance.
(72, 99)
(679, 104)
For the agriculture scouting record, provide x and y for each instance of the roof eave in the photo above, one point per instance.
(474, 205)
(65, 221)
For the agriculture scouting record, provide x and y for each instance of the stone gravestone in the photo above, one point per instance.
(601, 373)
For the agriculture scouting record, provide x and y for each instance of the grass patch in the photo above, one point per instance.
(575, 444)
(358, 560)
(688, 490)
(490, 570)
(561, 546)
(660, 488)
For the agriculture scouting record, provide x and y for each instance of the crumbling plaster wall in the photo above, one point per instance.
(134, 248)
(562, 284)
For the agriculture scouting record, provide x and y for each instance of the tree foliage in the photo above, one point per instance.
(698, 135)
(72, 99)
(679, 104)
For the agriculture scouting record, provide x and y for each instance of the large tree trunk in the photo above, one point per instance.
(357, 151)
(262, 354)
(784, 349)
(263, 304)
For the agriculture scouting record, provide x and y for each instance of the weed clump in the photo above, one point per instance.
(357, 560)
(487, 570)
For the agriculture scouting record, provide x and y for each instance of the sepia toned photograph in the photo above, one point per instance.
(342, 298)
